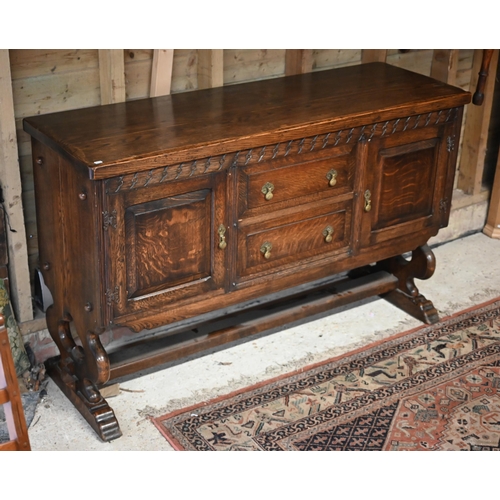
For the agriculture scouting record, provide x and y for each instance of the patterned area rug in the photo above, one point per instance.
(434, 388)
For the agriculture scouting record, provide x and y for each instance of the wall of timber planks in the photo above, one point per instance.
(46, 81)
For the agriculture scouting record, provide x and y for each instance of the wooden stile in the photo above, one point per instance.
(112, 75)
(444, 65)
(492, 227)
(10, 181)
(210, 68)
(475, 134)
(373, 55)
(298, 61)
(161, 72)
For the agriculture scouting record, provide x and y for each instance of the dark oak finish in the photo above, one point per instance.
(181, 210)
(478, 96)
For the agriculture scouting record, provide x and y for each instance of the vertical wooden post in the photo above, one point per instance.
(10, 181)
(477, 120)
(492, 227)
(298, 61)
(444, 65)
(112, 75)
(161, 72)
(373, 55)
(210, 68)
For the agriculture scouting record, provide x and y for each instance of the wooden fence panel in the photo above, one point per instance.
(10, 177)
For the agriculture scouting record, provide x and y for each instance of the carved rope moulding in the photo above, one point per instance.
(272, 152)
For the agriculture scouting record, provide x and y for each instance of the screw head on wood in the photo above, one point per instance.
(46, 266)
(88, 307)
(39, 160)
(82, 196)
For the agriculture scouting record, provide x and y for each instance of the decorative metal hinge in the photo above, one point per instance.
(450, 143)
(113, 296)
(109, 219)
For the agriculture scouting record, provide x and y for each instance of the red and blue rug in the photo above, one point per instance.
(433, 388)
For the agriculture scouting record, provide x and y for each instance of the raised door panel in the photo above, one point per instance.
(163, 244)
(405, 188)
(168, 242)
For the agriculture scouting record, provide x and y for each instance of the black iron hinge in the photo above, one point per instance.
(113, 295)
(109, 219)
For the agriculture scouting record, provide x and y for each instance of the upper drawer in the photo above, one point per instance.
(281, 183)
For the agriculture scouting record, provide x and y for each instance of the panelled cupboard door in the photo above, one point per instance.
(406, 184)
(165, 243)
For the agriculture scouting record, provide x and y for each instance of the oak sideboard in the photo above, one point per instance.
(266, 201)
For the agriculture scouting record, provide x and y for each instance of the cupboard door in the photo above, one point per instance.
(164, 244)
(406, 185)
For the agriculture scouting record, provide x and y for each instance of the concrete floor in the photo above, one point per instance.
(467, 274)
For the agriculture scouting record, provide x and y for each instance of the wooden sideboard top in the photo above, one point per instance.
(123, 138)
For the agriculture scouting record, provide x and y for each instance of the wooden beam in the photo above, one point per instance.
(161, 72)
(444, 65)
(210, 68)
(298, 61)
(10, 182)
(492, 228)
(475, 135)
(112, 75)
(373, 55)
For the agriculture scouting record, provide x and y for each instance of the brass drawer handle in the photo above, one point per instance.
(328, 234)
(332, 177)
(222, 237)
(267, 190)
(266, 249)
(368, 200)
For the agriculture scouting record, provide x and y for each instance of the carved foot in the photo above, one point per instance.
(77, 371)
(88, 401)
(407, 297)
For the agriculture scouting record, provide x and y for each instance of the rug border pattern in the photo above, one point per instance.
(309, 376)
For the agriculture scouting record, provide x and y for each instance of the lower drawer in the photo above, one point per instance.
(290, 241)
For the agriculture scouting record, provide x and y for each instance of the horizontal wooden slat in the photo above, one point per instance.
(136, 55)
(245, 65)
(48, 94)
(419, 61)
(335, 58)
(33, 63)
(138, 73)
(9, 446)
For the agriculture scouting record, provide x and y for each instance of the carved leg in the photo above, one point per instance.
(78, 371)
(407, 296)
